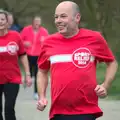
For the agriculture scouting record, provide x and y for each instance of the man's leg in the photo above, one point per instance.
(35, 70)
(1, 91)
(10, 92)
(74, 117)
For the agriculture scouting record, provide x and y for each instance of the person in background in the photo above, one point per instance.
(11, 50)
(72, 55)
(33, 37)
(12, 23)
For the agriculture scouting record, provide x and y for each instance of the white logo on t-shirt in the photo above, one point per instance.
(12, 48)
(82, 57)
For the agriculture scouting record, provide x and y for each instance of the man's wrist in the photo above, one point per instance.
(106, 86)
(27, 73)
(41, 95)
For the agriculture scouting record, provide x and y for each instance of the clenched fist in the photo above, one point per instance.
(101, 91)
(41, 104)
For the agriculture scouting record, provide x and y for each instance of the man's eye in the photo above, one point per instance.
(56, 17)
(2, 19)
(63, 16)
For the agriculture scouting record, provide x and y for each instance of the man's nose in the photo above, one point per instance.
(58, 19)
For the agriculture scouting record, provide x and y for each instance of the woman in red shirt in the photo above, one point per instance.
(11, 49)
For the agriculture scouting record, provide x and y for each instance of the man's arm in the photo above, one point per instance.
(101, 90)
(26, 42)
(42, 83)
(110, 73)
(104, 54)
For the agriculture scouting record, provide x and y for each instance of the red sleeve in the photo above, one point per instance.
(102, 52)
(21, 50)
(43, 60)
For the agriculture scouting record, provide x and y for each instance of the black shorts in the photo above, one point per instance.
(74, 117)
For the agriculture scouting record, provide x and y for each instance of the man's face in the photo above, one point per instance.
(3, 21)
(36, 22)
(65, 20)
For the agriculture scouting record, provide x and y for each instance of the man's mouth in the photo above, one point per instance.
(1, 25)
(61, 27)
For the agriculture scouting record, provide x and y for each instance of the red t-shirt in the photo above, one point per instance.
(11, 47)
(36, 40)
(72, 64)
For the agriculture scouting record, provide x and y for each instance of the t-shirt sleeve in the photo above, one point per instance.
(21, 50)
(43, 60)
(102, 52)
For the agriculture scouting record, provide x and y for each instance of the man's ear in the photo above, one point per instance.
(78, 17)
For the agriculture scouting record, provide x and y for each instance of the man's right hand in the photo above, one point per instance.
(42, 103)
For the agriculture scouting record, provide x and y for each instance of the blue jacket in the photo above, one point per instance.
(15, 27)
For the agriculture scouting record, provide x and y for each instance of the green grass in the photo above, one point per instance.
(114, 91)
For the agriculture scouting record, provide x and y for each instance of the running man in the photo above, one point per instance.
(33, 37)
(72, 55)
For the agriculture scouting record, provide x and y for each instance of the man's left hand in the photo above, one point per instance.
(28, 80)
(101, 91)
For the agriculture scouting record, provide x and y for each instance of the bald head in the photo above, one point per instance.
(72, 6)
(67, 18)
